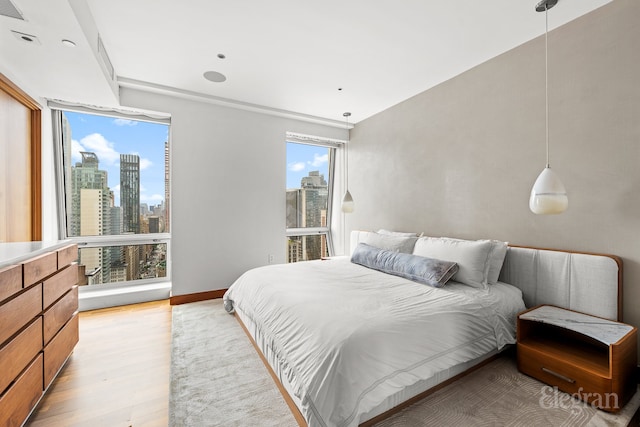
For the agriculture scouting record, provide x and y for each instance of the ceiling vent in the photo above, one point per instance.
(8, 9)
(27, 38)
(106, 62)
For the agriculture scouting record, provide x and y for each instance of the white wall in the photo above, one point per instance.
(460, 159)
(228, 174)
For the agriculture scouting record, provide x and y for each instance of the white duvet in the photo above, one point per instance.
(347, 337)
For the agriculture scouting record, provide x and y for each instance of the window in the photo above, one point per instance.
(114, 184)
(310, 172)
(114, 264)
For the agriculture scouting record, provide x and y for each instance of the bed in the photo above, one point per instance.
(348, 343)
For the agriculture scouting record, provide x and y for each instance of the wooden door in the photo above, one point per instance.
(20, 186)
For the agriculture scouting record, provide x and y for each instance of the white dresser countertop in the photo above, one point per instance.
(16, 252)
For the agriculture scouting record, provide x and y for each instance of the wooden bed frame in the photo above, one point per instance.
(536, 288)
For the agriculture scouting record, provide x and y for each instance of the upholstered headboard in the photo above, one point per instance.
(589, 283)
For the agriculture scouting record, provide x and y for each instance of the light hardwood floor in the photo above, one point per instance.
(118, 374)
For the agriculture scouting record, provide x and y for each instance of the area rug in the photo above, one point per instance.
(218, 379)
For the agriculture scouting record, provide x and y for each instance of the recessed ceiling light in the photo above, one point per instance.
(68, 43)
(28, 38)
(215, 76)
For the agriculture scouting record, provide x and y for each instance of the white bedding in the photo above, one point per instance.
(346, 337)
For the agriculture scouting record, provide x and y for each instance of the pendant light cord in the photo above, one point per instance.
(346, 153)
(546, 76)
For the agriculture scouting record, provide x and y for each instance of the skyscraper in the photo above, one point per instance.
(130, 192)
(307, 207)
(314, 198)
(90, 213)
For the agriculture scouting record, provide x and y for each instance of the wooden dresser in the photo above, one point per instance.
(38, 321)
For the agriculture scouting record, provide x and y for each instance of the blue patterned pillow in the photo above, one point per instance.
(432, 272)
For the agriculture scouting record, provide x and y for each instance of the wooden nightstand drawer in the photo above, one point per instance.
(59, 313)
(568, 378)
(10, 281)
(57, 285)
(19, 352)
(58, 350)
(19, 311)
(18, 401)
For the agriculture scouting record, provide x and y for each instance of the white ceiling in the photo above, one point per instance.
(290, 55)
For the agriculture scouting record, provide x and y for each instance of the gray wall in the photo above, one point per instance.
(460, 159)
(228, 180)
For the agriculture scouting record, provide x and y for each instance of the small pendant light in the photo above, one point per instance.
(548, 195)
(347, 200)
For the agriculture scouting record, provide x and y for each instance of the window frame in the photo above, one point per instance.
(104, 241)
(333, 145)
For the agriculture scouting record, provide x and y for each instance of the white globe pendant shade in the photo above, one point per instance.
(347, 203)
(548, 195)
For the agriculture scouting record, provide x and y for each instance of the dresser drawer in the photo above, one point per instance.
(17, 312)
(60, 347)
(10, 281)
(67, 255)
(38, 268)
(57, 285)
(17, 402)
(19, 352)
(59, 313)
(567, 377)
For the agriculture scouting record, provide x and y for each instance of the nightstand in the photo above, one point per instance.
(592, 358)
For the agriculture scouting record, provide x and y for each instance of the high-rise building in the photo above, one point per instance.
(314, 198)
(307, 207)
(154, 224)
(132, 261)
(294, 247)
(90, 213)
(130, 192)
(116, 255)
(294, 210)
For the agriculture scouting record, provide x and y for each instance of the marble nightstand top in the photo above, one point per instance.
(603, 330)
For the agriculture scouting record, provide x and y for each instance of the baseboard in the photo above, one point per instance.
(198, 296)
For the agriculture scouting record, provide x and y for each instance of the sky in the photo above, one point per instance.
(303, 158)
(109, 137)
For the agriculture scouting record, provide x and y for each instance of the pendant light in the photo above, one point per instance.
(347, 200)
(548, 195)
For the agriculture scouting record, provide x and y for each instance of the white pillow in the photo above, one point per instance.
(496, 259)
(471, 256)
(396, 233)
(391, 243)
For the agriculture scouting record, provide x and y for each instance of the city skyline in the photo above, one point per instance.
(304, 158)
(109, 137)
